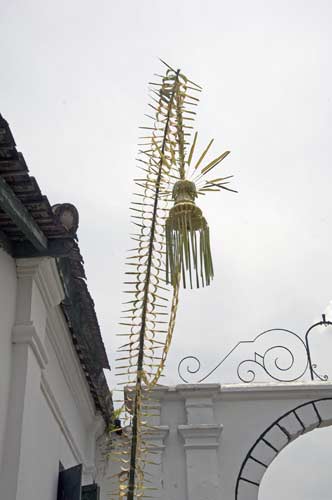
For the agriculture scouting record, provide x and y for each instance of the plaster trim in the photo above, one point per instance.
(25, 333)
(59, 337)
(286, 390)
(241, 392)
(200, 436)
(54, 407)
(56, 411)
(44, 272)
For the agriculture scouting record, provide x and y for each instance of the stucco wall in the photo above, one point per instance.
(204, 435)
(51, 414)
(7, 315)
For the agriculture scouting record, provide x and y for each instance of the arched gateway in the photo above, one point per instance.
(214, 442)
(294, 423)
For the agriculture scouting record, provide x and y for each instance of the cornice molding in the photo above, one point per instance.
(194, 391)
(275, 390)
(287, 390)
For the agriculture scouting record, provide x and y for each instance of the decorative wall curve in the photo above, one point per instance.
(291, 425)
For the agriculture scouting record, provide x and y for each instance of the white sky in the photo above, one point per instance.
(74, 90)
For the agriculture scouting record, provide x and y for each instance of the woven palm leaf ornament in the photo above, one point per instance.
(172, 246)
(187, 231)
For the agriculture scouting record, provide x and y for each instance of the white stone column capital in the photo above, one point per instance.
(44, 273)
(26, 333)
(29, 267)
(38, 290)
(201, 436)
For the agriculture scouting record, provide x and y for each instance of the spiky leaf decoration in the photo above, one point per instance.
(187, 232)
(168, 243)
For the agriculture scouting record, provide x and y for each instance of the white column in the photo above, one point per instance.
(35, 296)
(201, 441)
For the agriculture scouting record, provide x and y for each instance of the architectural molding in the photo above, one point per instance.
(289, 426)
(32, 307)
(55, 409)
(21, 217)
(223, 438)
(88, 467)
(201, 436)
(240, 392)
(52, 353)
(43, 271)
(274, 390)
(194, 390)
(27, 334)
(60, 339)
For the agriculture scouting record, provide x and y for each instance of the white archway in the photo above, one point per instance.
(292, 424)
(302, 470)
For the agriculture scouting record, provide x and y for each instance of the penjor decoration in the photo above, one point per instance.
(172, 245)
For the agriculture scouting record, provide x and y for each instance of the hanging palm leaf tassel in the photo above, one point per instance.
(187, 239)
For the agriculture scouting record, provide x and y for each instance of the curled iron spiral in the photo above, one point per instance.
(280, 362)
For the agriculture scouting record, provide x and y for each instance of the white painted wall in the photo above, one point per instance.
(204, 433)
(50, 415)
(7, 316)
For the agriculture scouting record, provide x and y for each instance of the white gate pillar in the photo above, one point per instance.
(201, 442)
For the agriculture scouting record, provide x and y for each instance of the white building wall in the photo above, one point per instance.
(50, 412)
(7, 316)
(205, 432)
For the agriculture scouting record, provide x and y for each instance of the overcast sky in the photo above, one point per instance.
(74, 90)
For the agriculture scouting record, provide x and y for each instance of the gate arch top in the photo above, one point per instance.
(292, 424)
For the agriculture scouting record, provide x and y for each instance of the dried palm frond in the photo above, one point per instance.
(168, 243)
(141, 362)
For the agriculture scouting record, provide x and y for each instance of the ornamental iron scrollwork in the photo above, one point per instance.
(288, 360)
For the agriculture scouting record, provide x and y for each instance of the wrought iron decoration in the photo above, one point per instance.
(172, 245)
(296, 359)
